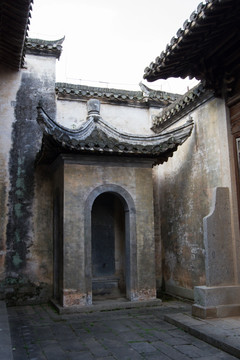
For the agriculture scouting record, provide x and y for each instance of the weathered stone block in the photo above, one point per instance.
(219, 260)
(216, 295)
(216, 301)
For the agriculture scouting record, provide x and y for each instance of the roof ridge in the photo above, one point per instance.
(143, 96)
(93, 88)
(44, 47)
(45, 42)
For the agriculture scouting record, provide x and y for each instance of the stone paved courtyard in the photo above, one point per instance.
(40, 333)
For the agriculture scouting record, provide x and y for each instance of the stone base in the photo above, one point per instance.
(215, 312)
(216, 301)
(105, 305)
(145, 295)
(72, 297)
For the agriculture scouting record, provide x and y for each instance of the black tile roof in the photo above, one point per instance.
(181, 107)
(44, 47)
(147, 97)
(207, 47)
(14, 21)
(97, 137)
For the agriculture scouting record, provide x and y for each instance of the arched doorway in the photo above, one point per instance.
(108, 247)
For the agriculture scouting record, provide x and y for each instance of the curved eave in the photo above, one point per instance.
(97, 137)
(205, 48)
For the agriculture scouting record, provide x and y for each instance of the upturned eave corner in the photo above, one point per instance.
(97, 137)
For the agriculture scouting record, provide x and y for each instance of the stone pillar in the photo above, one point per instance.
(221, 295)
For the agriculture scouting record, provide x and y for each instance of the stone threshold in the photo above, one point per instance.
(105, 305)
(209, 331)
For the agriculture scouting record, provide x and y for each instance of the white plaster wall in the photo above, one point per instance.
(128, 119)
(43, 66)
(72, 114)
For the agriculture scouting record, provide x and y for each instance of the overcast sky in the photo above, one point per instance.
(110, 41)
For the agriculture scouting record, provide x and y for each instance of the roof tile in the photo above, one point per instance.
(180, 108)
(145, 98)
(97, 136)
(14, 20)
(44, 47)
(198, 38)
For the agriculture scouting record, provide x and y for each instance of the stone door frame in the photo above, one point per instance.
(130, 239)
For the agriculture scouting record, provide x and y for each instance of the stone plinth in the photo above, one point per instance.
(216, 301)
(221, 296)
(217, 229)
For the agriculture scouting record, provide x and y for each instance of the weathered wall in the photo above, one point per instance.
(9, 85)
(186, 184)
(183, 186)
(26, 270)
(134, 120)
(157, 232)
(81, 177)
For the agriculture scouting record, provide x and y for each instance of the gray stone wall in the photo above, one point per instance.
(81, 177)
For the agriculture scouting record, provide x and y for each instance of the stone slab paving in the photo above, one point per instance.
(5, 338)
(223, 333)
(40, 333)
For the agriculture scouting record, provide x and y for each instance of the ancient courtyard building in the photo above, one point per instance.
(103, 206)
(77, 200)
(109, 193)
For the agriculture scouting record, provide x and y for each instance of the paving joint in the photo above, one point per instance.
(40, 332)
(5, 336)
(197, 328)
